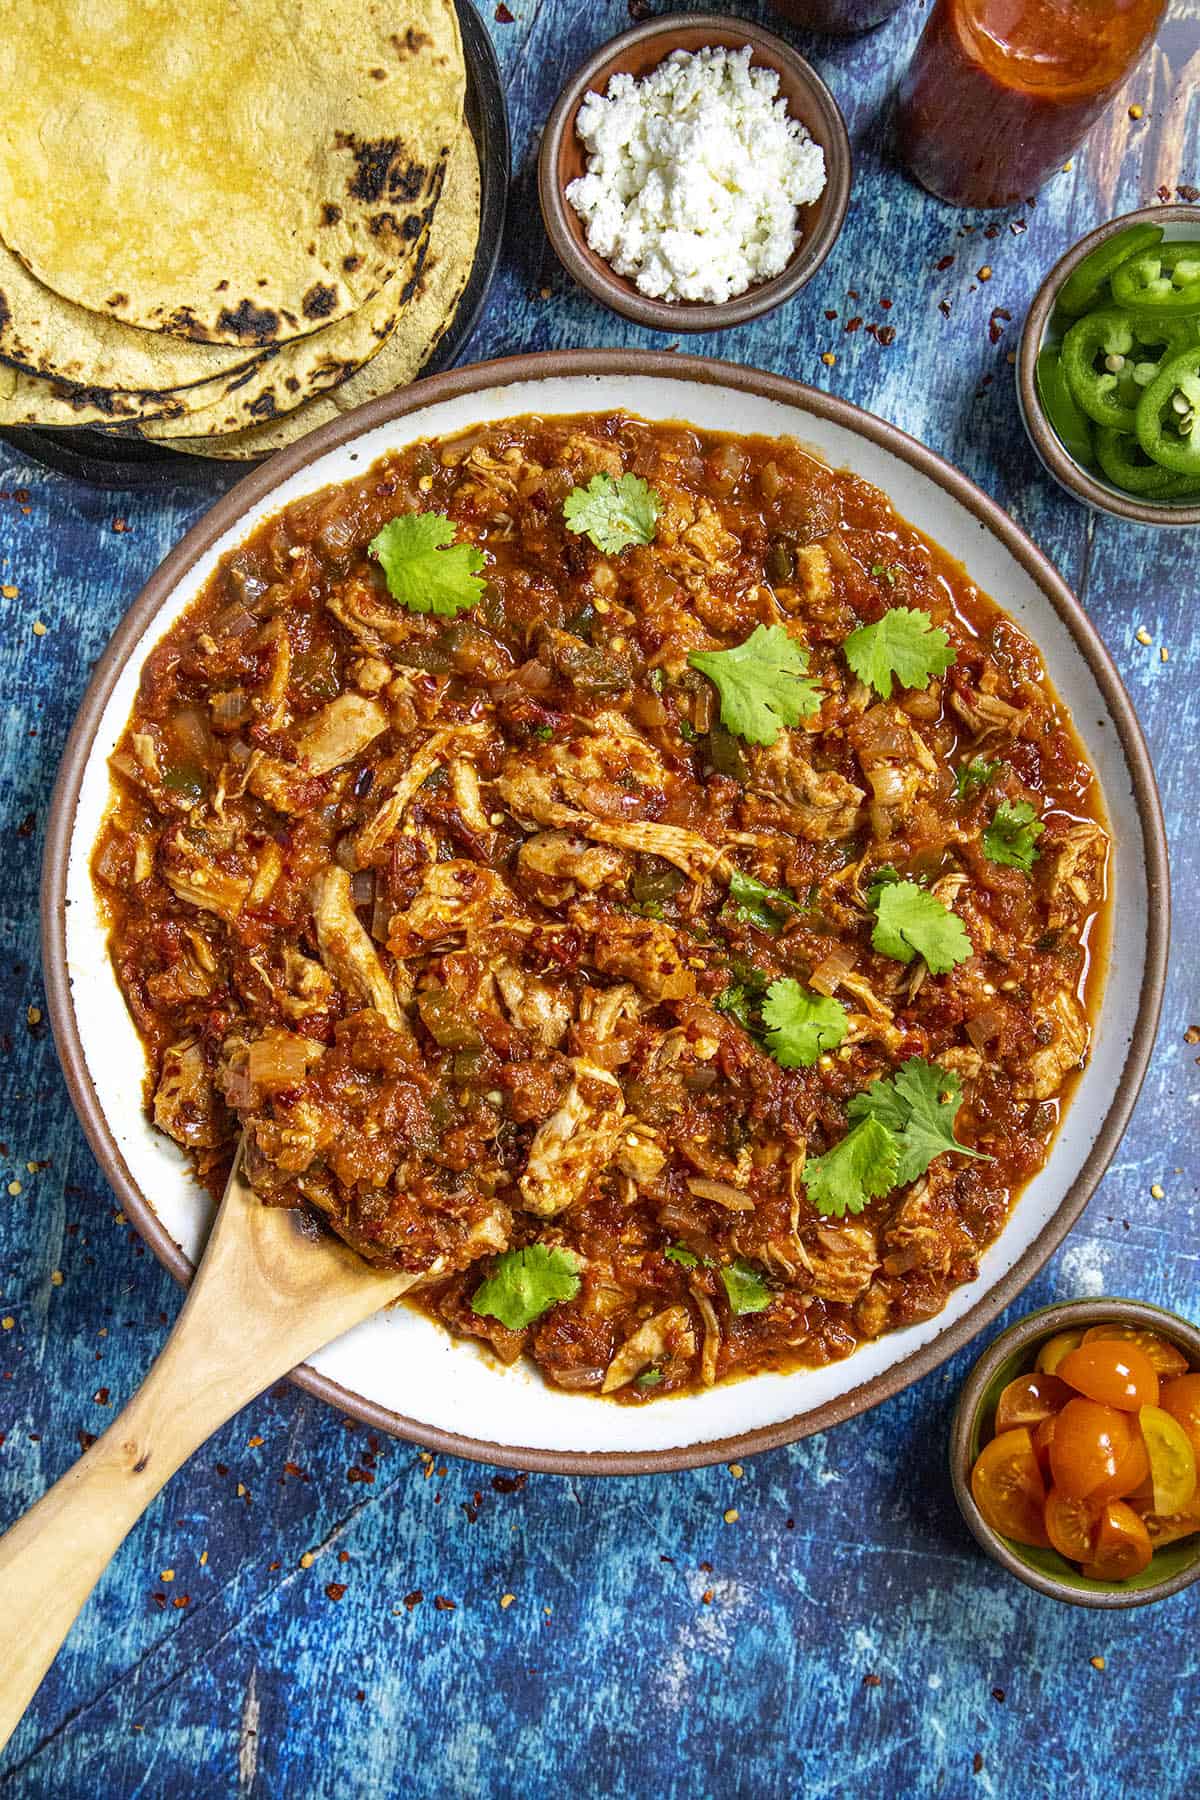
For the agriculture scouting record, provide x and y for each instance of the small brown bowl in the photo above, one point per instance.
(1174, 1567)
(563, 158)
(1082, 484)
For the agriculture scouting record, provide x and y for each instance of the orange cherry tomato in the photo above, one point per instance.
(1172, 1460)
(1072, 1526)
(1009, 1490)
(1181, 1398)
(1043, 1437)
(1123, 1546)
(1168, 1360)
(1055, 1348)
(1112, 1370)
(1030, 1399)
(1170, 1529)
(1090, 1444)
(1132, 1476)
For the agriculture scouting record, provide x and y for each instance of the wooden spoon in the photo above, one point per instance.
(265, 1296)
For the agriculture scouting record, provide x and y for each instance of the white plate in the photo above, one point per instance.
(400, 1371)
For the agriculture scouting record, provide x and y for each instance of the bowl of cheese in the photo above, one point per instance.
(694, 173)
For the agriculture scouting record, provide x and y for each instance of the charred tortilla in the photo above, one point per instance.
(234, 175)
(408, 346)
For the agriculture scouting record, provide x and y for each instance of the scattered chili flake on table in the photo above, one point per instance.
(7, 1322)
(506, 1601)
(977, 1763)
(872, 1681)
(502, 15)
(414, 1599)
(944, 262)
(985, 273)
(335, 1589)
(998, 1695)
(828, 358)
(1098, 1662)
(996, 323)
(1192, 1035)
(444, 1605)
(166, 1575)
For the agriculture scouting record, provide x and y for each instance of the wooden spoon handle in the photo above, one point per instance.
(263, 1300)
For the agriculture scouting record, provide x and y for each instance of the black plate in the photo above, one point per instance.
(127, 463)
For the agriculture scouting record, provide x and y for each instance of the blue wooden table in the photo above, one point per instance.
(310, 1612)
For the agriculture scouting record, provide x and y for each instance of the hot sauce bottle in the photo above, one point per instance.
(999, 92)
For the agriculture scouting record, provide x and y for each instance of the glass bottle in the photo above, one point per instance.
(1000, 92)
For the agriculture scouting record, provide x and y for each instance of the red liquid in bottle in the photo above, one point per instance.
(1000, 92)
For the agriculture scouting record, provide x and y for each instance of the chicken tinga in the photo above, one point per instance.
(624, 870)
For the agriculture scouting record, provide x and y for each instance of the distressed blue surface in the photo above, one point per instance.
(609, 1673)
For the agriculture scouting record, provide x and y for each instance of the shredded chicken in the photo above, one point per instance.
(821, 805)
(346, 949)
(339, 732)
(669, 1333)
(1063, 1035)
(842, 1259)
(575, 1144)
(186, 1105)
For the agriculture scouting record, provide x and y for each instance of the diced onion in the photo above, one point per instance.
(832, 969)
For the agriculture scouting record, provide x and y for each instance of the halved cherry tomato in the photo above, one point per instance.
(1009, 1490)
(1132, 1476)
(1123, 1546)
(1090, 1445)
(1043, 1437)
(1172, 1460)
(1113, 1371)
(1030, 1399)
(1167, 1358)
(1072, 1526)
(1181, 1398)
(1055, 1348)
(1175, 1526)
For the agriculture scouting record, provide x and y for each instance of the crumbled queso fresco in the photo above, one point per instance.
(694, 176)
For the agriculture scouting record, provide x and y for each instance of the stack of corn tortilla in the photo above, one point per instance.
(222, 226)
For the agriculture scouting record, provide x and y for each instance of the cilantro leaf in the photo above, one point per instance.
(614, 514)
(747, 1292)
(526, 1283)
(741, 998)
(974, 774)
(758, 904)
(881, 877)
(1012, 836)
(904, 643)
(918, 1105)
(862, 1167)
(886, 571)
(679, 1253)
(762, 683)
(425, 570)
(649, 1378)
(801, 1026)
(909, 921)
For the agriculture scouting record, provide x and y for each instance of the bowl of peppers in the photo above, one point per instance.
(1108, 372)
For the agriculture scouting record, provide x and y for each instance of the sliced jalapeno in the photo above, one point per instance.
(1082, 287)
(1108, 359)
(1125, 463)
(1164, 281)
(1168, 415)
(1064, 416)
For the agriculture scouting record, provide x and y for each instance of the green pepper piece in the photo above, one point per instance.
(1121, 458)
(1168, 415)
(1082, 287)
(1065, 418)
(1164, 282)
(1104, 366)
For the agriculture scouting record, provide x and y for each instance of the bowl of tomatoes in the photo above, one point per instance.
(1075, 1452)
